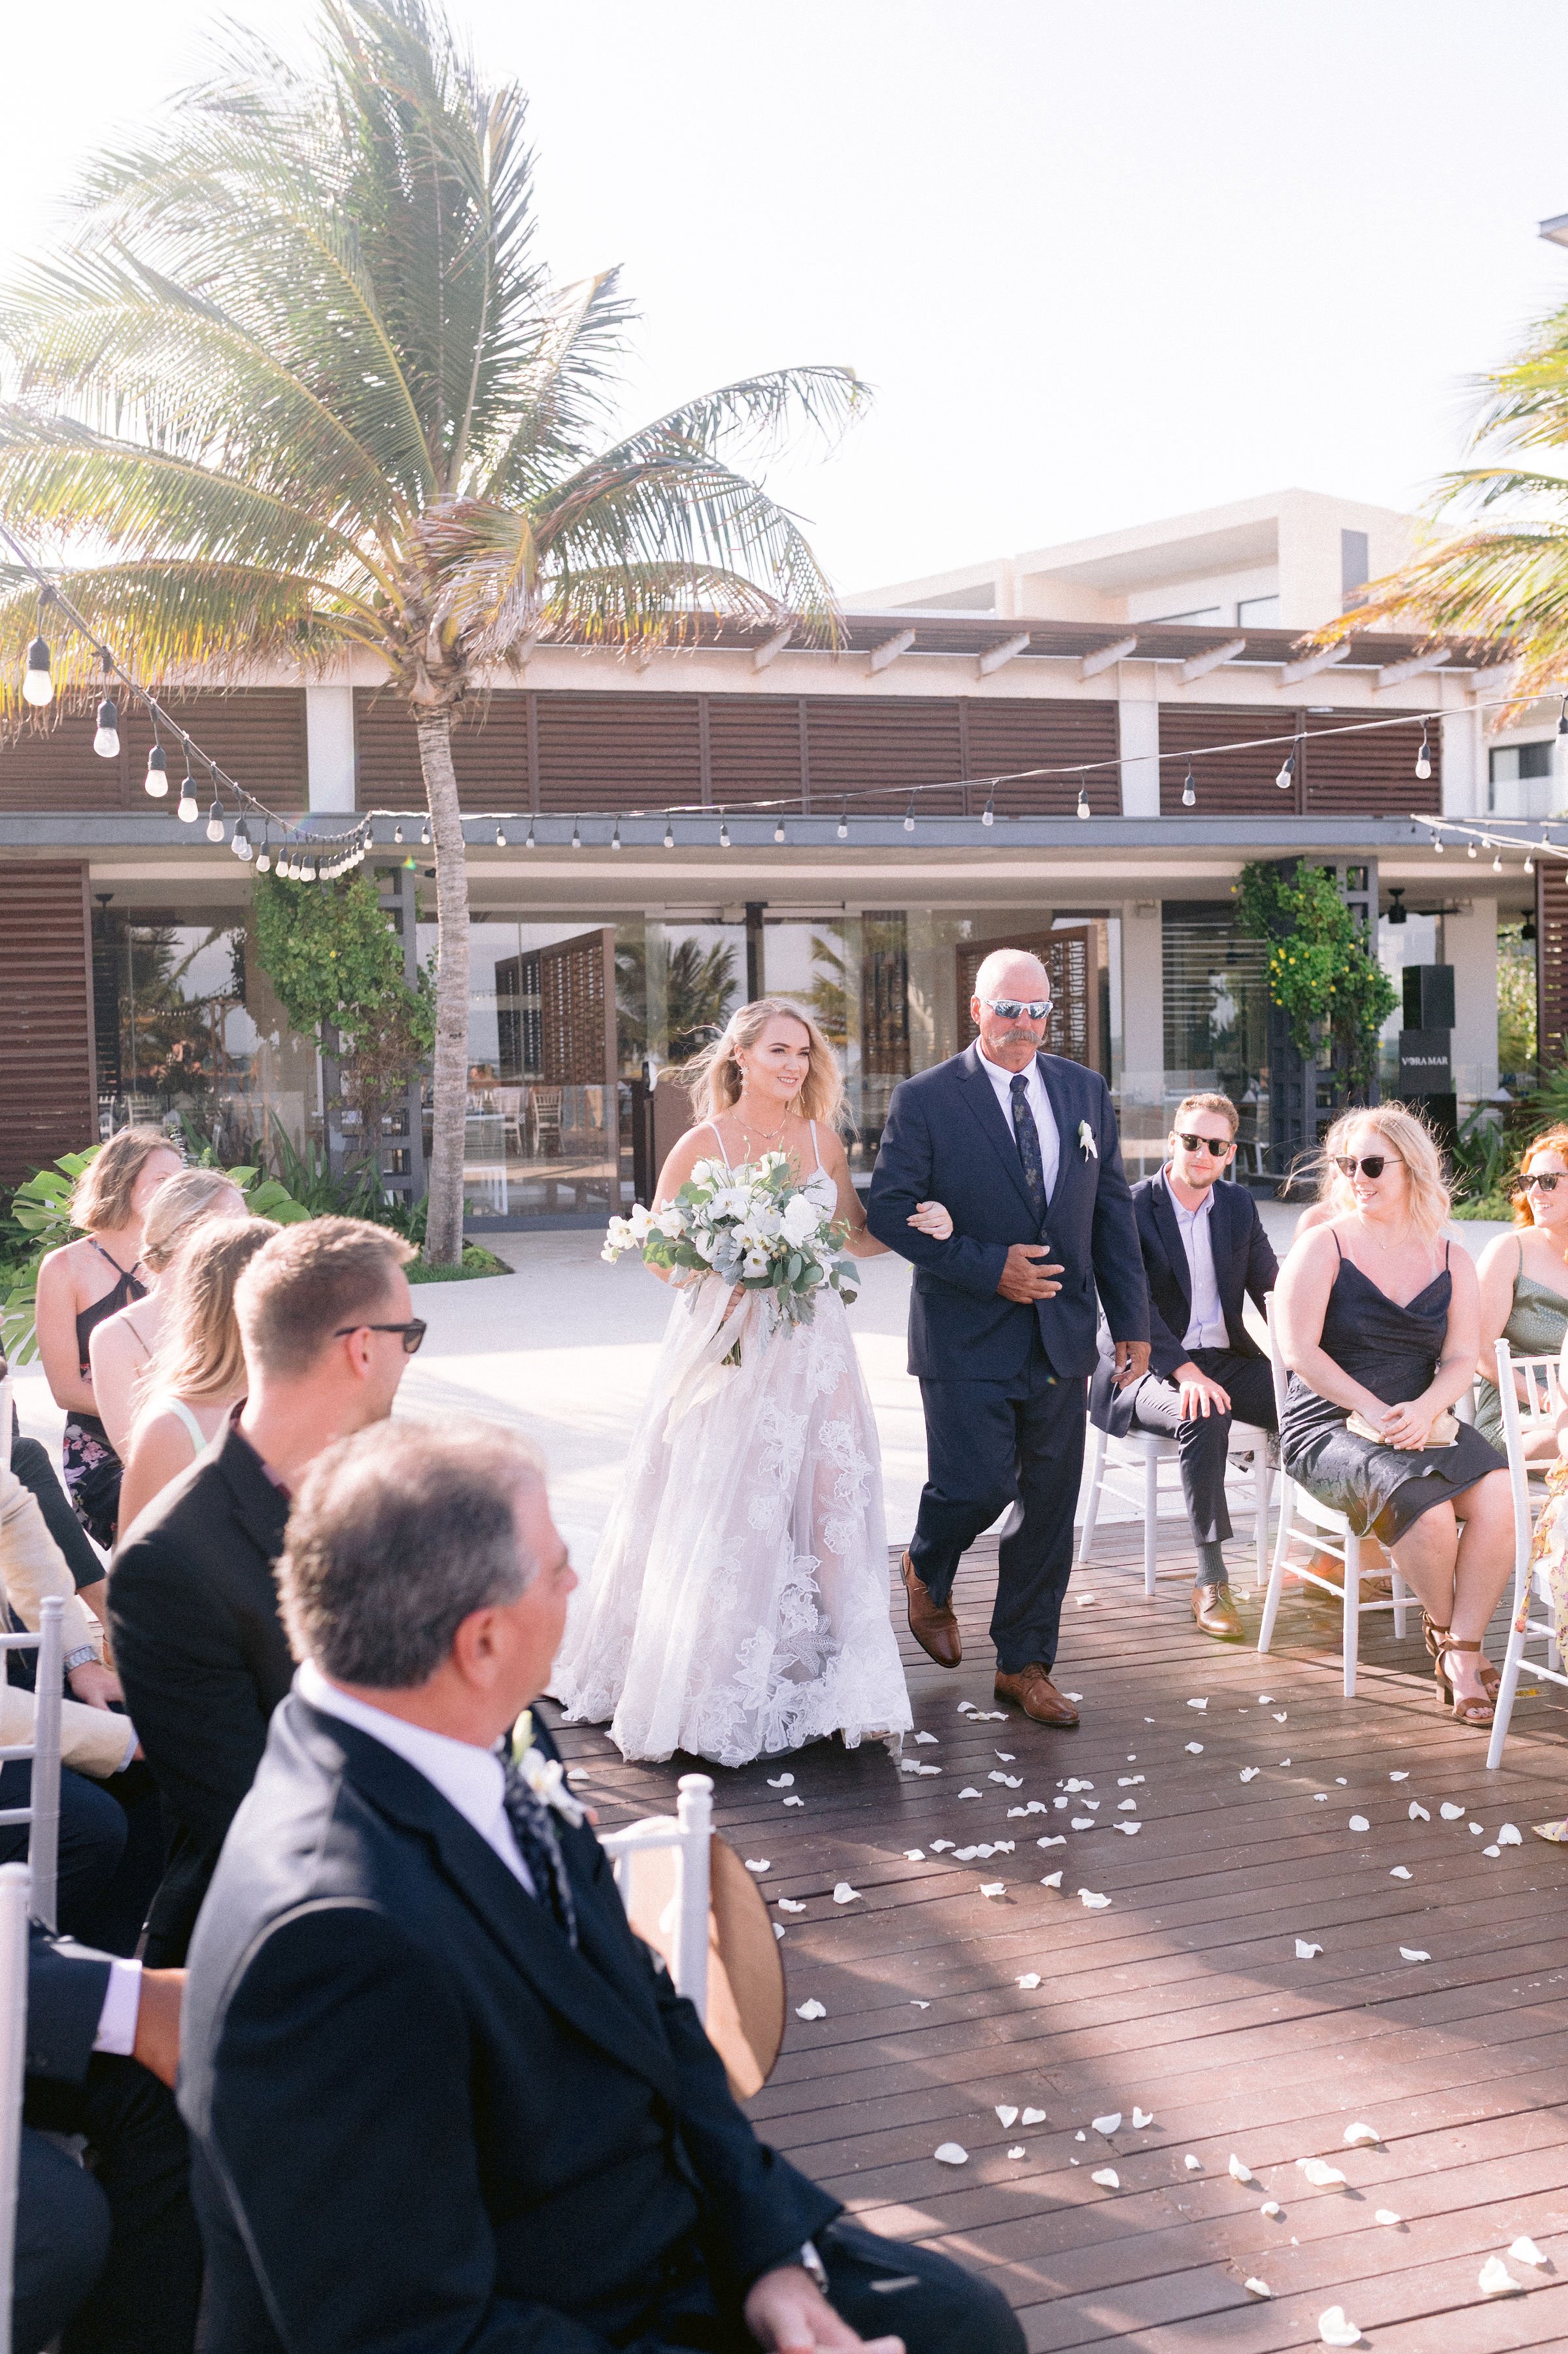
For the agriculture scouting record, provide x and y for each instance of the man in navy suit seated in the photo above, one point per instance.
(1204, 1251)
(439, 2096)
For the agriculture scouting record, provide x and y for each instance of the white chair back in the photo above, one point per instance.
(42, 1813)
(14, 1878)
(1529, 1392)
(688, 1831)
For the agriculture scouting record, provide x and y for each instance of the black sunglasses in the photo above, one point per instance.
(1546, 1181)
(1370, 1164)
(1218, 1145)
(413, 1332)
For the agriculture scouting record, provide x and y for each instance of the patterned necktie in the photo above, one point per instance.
(1028, 1137)
(540, 1850)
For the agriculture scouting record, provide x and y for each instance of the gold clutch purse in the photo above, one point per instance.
(1445, 1431)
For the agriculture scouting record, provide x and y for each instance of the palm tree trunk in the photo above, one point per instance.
(443, 1226)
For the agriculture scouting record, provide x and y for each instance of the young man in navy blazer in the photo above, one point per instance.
(1204, 1251)
(1023, 1148)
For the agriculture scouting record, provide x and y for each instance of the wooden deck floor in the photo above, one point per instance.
(1183, 1994)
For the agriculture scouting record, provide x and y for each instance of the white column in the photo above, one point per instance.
(1464, 768)
(329, 746)
(1470, 946)
(1142, 1035)
(1138, 716)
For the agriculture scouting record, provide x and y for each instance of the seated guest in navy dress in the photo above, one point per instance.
(1205, 1254)
(1379, 1314)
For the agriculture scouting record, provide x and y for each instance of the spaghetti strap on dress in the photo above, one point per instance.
(1394, 1351)
(90, 1468)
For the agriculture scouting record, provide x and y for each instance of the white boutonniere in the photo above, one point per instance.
(1087, 1139)
(546, 1777)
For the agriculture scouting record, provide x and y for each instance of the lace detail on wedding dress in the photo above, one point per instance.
(738, 1605)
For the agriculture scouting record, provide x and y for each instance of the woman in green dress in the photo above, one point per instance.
(1525, 1282)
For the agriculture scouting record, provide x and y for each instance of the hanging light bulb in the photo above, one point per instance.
(528, 840)
(615, 835)
(241, 844)
(577, 833)
(1190, 789)
(909, 816)
(264, 852)
(214, 823)
(668, 834)
(988, 814)
(186, 809)
(106, 741)
(501, 837)
(1497, 863)
(156, 781)
(1424, 757)
(307, 873)
(425, 835)
(1084, 809)
(779, 833)
(1438, 844)
(1529, 863)
(37, 679)
(844, 820)
(723, 832)
(397, 830)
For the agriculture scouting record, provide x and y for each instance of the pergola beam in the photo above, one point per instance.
(1310, 664)
(1200, 665)
(1395, 674)
(995, 657)
(1106, 657)
(771, 648)
(890, 649)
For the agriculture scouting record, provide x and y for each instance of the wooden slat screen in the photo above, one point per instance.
(576, 1010)
(857, 743)
(754, 748)
(1372, 772)
(490, 752)
(1369, 774)
(1229, 784)
(1552, 970)
(1071, 956)
(618, 751)
(1020, 734)
(48, 1101)
(255, 734)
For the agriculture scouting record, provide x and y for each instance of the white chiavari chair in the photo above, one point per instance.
(1128, 1469)
(688, 1833)
(1529, 1390)
(13, 1897)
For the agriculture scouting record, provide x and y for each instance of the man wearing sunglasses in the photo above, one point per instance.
(328, 1326)
(1002, 1314)
(1204, 1251)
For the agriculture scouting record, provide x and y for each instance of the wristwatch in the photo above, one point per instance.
(80, 1657)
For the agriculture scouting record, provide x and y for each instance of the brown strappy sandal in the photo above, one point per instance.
(1466, 1712)
(1491, 1678)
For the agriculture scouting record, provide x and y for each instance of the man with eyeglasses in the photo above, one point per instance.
(1204, 1251)
(1023, 1148)
(327, 1322)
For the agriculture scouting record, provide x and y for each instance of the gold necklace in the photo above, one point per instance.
(762, 1133)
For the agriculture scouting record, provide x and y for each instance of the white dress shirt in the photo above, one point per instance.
(1206, 1327)
(1039, 1104)
(121, 2005)
(470, 1778)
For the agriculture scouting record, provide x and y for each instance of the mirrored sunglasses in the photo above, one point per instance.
(1370, 1164)
(1218, 1145)
(1010, 1008)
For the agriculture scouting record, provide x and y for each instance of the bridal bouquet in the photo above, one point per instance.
(754, 1226)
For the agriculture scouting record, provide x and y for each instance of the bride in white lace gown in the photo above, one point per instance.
(738, 1602)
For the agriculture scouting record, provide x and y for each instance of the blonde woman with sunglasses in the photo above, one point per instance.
(1379, 1320)
(1525, 1282)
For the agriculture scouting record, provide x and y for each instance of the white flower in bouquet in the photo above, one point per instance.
(801, 1219)
(752, 1226)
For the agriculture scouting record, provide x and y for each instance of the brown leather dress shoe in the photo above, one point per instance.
(932, 1624)
(1033, 1690)
(1215, 1609)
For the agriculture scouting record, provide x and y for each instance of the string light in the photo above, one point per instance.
(240, 842)
(1424, 758)
(988, 814)
(425, 834)
(724, 831)
(156, 781)
(1287, 777)
(528, 843)
(779, 832)
(1190, 789)
(909, 816)
(843, 828)
(615, 835)
(577, 833)
(501, 837)
(397, 830)
(1438, 844)
(669, 836)
(215, 822)
(1084, 809)
(264, 854)
(1497, 863)
(186, 809)
(1471, 849)
(106, 739)
(37, 679)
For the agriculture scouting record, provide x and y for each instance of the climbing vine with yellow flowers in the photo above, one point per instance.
(1320, 974)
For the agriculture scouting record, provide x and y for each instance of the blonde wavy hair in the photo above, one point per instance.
(101, 1198)
(1551, 1139)
(1409, 1137)
(182, 1203)
(713, 1077)
(198, 1356)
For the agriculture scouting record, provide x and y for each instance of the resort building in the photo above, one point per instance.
(1075, 749)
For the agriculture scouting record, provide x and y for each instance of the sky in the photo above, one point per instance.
(1098, 265)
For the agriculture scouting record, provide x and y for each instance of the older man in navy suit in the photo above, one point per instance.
(1204, 1252)
(1023, 1148)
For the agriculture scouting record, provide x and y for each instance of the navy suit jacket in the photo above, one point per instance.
(947, 1139)
(66, 1987)
(419, 2118)
(1245, 1266)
